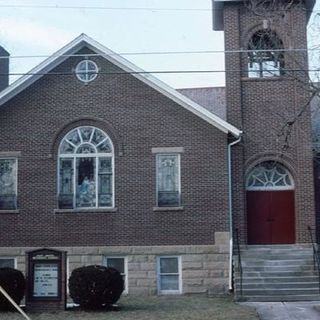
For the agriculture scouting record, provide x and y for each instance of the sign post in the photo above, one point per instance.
(46, 280)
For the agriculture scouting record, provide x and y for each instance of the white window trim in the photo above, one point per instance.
(165, 292)
(126, 286)
(67, 274)
(16, 178)
(10, 154)
(13, 258)
(168, 150)
(77, 72)
(74, 156)
(273, 188)
(179, 177)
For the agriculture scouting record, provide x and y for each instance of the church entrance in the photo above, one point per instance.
(270, 205)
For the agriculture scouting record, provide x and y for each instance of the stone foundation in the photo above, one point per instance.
(204, 268)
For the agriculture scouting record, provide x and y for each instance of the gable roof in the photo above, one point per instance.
(85, 41)
(212, 98)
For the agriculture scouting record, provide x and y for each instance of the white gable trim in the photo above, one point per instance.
(83, 40)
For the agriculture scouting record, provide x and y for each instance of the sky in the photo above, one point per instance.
(42, 31)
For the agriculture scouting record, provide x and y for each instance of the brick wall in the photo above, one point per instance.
(261, 108)
(137, 118)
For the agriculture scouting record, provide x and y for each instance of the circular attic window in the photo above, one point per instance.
(86, 70)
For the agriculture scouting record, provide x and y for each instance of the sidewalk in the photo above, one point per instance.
(286, 310)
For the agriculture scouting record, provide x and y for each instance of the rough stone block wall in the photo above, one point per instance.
(204, 267)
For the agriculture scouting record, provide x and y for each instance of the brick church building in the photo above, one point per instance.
(111, 165)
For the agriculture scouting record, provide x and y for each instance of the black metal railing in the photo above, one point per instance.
(316, 255)
(238, 252)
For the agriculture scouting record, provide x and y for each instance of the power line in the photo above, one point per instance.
(160, 53)
(121, 8)
(156, 72)
(101, 8)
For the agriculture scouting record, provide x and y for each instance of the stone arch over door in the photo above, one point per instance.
(270, 204)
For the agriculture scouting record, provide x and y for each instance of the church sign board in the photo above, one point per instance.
(46, 276)
(45, 280)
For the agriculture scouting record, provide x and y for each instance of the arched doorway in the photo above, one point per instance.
(270, 204)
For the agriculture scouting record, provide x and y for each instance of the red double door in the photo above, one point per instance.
(271, 217)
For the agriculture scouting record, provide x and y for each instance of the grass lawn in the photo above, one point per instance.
(157, 308)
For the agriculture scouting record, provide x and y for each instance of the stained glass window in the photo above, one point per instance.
(85, 169)
(168, 180)
(8, 184)
(269, 175)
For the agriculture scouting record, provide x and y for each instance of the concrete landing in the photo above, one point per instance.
(286, 310)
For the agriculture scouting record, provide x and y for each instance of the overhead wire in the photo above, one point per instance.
(160, 53)
(154, 72)
(56, 6)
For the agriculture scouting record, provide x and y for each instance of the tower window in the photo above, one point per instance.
(265, 56)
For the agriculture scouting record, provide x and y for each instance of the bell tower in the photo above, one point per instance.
(267, 93)
(4, 68)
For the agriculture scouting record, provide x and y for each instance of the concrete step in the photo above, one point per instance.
(280, 268)
(280, 291)
(280, 285)
(277, 273)
(278, 298)
(272, 274)
(278, 262)
(258, 247)
(275, 280)
(275, 249)
(271, 255)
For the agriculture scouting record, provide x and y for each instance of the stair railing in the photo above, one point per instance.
(316, 255)
(239, 258)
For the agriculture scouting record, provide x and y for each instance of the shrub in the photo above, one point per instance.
(95, 287)
(13, 282)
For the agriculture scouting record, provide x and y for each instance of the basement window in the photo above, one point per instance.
(169, 275)
(120, 264)
(7, 262)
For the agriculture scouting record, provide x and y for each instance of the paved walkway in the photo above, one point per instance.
(286, 310)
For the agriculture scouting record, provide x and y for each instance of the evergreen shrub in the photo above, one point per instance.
(13, 282)
(95, 287)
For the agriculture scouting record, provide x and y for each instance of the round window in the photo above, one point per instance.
(86, 70)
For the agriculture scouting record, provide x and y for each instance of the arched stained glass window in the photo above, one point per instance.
(269, 175)
(265, 55)
(86, 170)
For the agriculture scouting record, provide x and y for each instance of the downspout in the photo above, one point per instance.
(230, 210)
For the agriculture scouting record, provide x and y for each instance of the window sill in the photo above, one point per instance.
(87, 210)
(169, 292)
(168, 208)
(9, 211)
(275, 78)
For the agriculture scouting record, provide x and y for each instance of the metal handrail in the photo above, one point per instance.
(316, 256)
(239, 259)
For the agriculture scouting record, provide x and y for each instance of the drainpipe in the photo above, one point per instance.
(230, 209)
